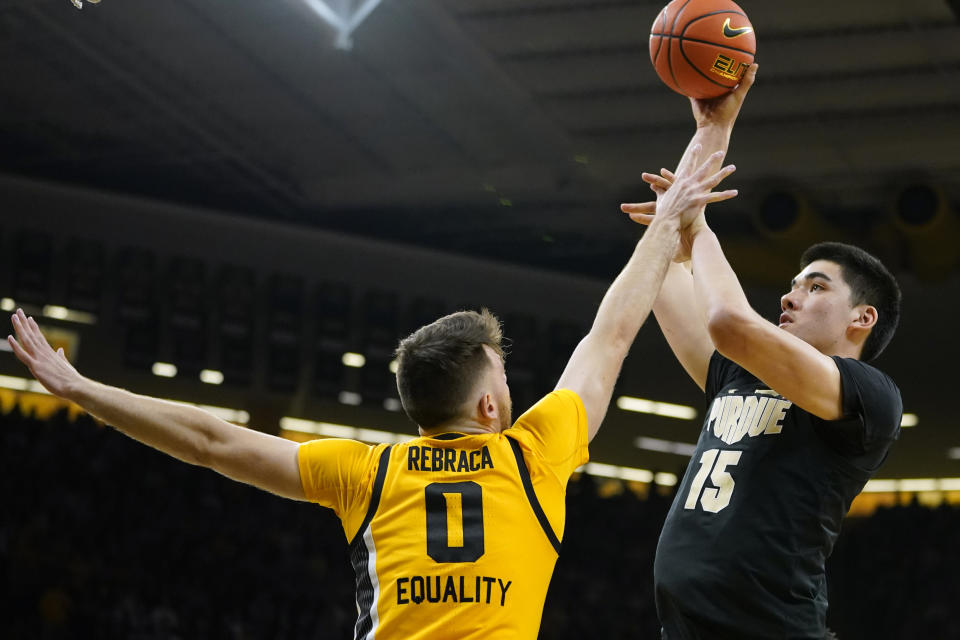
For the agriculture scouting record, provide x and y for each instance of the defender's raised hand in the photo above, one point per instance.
(51, 368)
(690, 191)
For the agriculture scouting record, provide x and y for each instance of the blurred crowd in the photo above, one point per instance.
(101, 537)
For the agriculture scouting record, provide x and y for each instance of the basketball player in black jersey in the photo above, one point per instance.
(797, 424)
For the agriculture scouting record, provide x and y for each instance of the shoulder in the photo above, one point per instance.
(337, 446)
(870, 393)
(560, 405)
(867, 379)
(347, 460)
(555, 431)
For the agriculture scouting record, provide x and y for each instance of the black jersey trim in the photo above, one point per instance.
(532, 497)
(360, 555)
(448, 436)
(374, 494)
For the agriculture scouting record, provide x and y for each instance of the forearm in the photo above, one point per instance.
(184, 432)
(683, 328)
(629, 299)
(711, 138)
(720, 298)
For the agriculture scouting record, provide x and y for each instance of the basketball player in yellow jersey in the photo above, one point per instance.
(454, 534)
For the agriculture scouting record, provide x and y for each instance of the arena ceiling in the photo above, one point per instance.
(507, 129)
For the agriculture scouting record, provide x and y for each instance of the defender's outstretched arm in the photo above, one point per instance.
(595, 364)
(186, 433)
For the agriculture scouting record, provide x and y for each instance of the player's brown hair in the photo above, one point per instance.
(439, 364)
(870, 283)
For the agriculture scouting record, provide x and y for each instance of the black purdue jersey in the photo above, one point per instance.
(743, 549)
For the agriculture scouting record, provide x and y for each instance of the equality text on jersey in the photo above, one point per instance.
(734, 416)
(443, 589)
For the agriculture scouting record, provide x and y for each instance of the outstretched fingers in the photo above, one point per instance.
(640, 212)
(645, 219)
(20, 330)
(28, 335)
(639, 207)
(719, 196)
(706, 185)
(720, 176)
(703, 169)
(28, 331)
(658, 184)
(18, 350)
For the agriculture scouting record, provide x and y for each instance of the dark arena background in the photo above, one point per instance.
(244, 205)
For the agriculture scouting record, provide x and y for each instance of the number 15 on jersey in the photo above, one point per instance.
(713, 462)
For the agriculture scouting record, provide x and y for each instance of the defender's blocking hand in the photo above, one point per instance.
(692, 190)
(51, 368)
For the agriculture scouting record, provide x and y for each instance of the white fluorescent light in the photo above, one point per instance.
(394, 365)
(665, 479)
(953, 453)
(375, 435)
(620, 473)
(349, 397)
(880, 486)
(53, 311)
(392, 404)
(918, 484)
(12, 382)
(635, 475)
(950, 484)
(355, 360)
(318, 428)
(297, 424)
(70, 315)
(7, 304)
(666, 446)
(666, 409)
(331, 430)
(909, 420)
(337, 430)
(345, 19)
(36, 387)
(211, 376)
(164, 369)
(912, 484)
(22, 384)
(628, 473)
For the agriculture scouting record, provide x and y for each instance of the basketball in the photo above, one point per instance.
(701, 48)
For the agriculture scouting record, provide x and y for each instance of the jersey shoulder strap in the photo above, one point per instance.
(532, 496)
(374, 494)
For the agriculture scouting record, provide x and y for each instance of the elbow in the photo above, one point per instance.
(201, 446)
(200, 453)
(728, 329)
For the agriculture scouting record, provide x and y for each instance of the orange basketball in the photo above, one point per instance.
(701, 48)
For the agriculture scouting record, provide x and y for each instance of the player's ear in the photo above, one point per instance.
(866, 316)
(487, 407)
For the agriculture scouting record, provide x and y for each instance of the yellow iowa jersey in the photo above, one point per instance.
(453, 536)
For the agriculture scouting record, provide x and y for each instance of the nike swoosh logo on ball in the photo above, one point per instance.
(731, 32)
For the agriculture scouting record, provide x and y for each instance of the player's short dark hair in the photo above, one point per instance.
(439, 364)
(870, 283)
